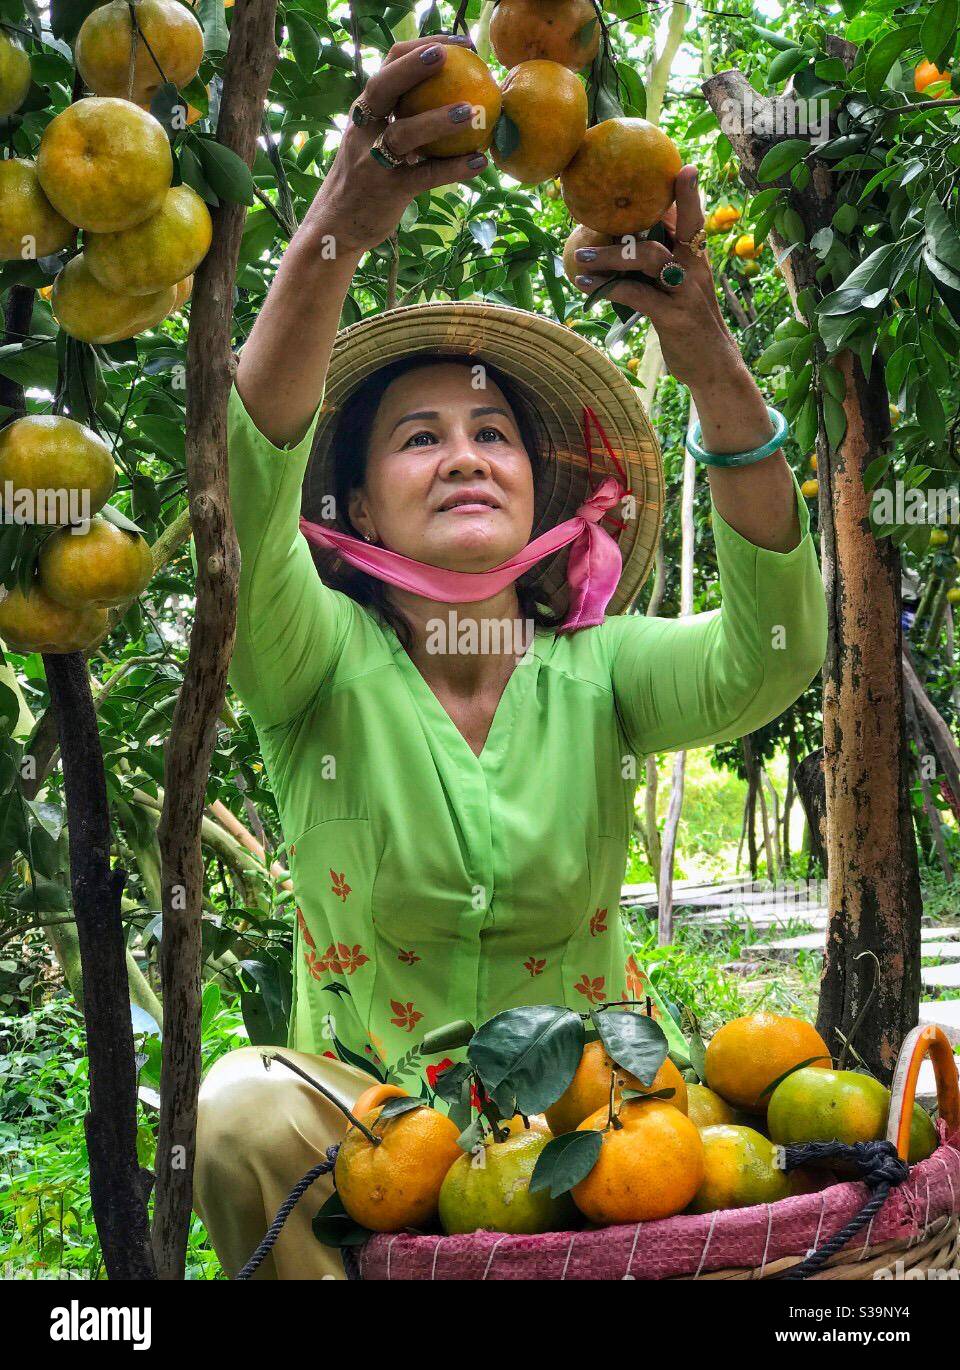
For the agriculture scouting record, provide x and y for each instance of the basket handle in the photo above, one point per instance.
(374, 1097)
(928, 1038)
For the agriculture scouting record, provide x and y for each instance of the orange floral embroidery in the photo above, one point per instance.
(535, 965)
(593, 990)
(598, 923)
(636, 980)
(407, 1016)
(350, 958)
(340, 887)
(409, 958)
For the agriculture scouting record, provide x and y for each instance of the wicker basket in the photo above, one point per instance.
(917, 1227)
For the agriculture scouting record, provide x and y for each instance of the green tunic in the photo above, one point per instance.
(433, 884)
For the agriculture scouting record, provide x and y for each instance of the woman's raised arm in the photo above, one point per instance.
(284, 363)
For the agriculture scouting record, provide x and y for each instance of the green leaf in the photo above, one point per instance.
(396, 1107)
(807, 424)
(447, 1038)
(938, 30)
(225, 172)
(930, 413)
(66, 16)
(506, 136)
(304, 42)
(119, 520)
(584, 35)
(882, 56)
(213, 21)
(811, 1060)
(834, 420)
(784, 65)
(940, 237)
(698, 1054)
(782, 158)
(534, 1049)
(775, 40)
(565, 1161)
(333, 1225)
(633, 1041)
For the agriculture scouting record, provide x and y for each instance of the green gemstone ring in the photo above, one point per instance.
(672, 275)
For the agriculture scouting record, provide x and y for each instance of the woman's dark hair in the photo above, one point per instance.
(349, 450)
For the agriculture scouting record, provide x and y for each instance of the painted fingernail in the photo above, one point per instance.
(586, 281)
(586, 254)
(477, 162)
(431, 54)
(695, 177)
(460, 114)
(463, 38)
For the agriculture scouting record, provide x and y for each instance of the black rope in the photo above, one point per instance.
(284, 1211)
(877, 1165)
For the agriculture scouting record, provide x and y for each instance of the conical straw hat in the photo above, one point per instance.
(559, 374)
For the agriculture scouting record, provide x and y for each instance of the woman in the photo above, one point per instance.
(458, 816)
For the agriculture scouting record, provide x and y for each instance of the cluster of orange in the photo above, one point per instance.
(63, 474)
(666, 1147)
(104, 166)
(615, 178)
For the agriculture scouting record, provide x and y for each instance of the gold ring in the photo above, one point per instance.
(381, 153)
(361, 113)
(697, 244)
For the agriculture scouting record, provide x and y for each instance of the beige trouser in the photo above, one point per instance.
(258, 1132)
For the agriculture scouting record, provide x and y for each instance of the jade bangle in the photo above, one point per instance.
(781, 430)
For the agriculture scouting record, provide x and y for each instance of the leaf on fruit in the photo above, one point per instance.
(565, 1161)
(801, 1065)
(119, 520)
(633, 1041)
(534, 1050)
(506, 136)
(333, 1225)
(396, 1107)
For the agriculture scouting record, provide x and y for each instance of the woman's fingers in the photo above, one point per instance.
(411, 44)
(403, 71)
(444, 171)
(633, 254)
(404, 136)
(689, 210)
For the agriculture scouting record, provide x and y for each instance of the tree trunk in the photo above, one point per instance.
(250, 60)
(118, 1187)
(874, 887)
(811, 789)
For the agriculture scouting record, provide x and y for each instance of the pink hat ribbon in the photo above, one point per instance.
(593, 566)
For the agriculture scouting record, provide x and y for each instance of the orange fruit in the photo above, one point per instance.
(48, 453)
(105, 164)
(535, 1123)
(750, 268)
(582, 237)
(30, 621)
(651, 1167)
(30, 227)
(102, 50)
(953, 594)
(396, 1184)
(589, 1090)
(548, 105)
(810, 489)
(154, 254)
(184, 290)
(745, 247)
(15, 76)
(704, 1108)
(564, 31)
(105, 565)
(86, 311)
(748, 1054)
(840, 1106)
(489, 1191)
(621, 180)
(464, 78)
(813, 462)
(633, 365)
(739, 1170)
(925, 75)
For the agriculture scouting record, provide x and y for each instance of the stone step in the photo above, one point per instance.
(943, 951)
(942, 976)
(945, 1013)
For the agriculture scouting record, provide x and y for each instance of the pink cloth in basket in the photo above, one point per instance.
(684, 1246)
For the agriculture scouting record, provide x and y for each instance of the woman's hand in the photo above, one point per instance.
(696, 343)
(757, 500)
(361, 201)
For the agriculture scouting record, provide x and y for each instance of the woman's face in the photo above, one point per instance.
(448, 479)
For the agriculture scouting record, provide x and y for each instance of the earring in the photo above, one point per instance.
(369, 537)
